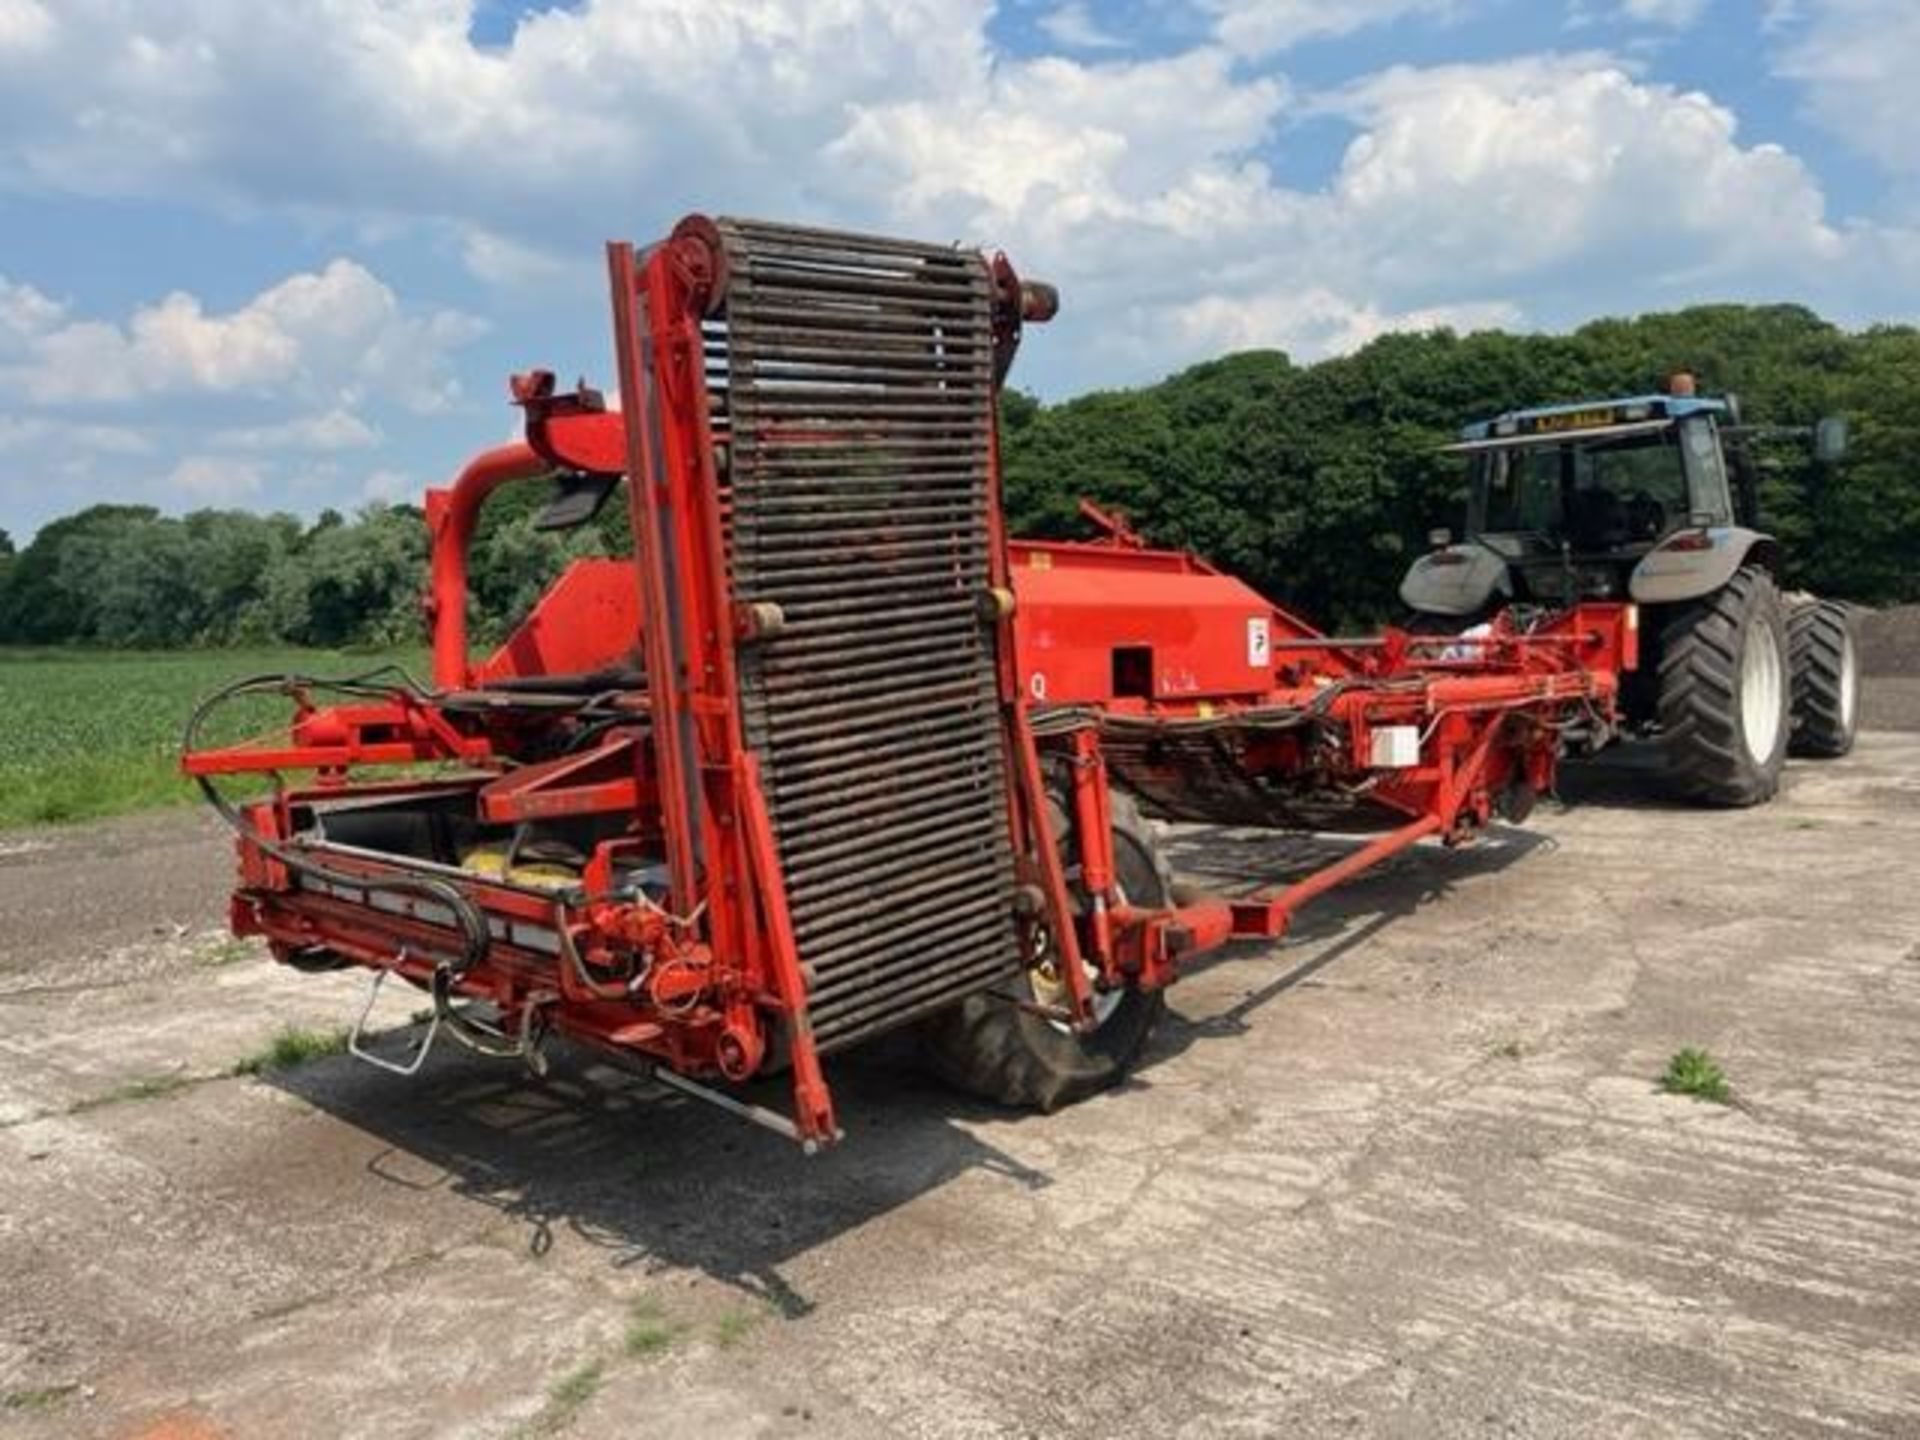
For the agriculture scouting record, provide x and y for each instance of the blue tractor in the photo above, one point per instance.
(1655, 499)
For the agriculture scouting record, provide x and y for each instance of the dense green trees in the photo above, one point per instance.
(1314, 482)
(126, 576)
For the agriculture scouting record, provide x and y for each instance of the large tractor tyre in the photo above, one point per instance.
(1724, 696)
(989, 1048)
(1825, 664)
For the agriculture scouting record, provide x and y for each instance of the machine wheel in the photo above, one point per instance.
(1724, 702)
(1825, 664)
(989, 1048)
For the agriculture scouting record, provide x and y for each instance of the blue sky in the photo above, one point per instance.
(284, 256)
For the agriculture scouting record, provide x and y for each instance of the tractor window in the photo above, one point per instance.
(1706, 470)
(1642, 474)
(1520, 492)
(1598, 493)
(1627, 491)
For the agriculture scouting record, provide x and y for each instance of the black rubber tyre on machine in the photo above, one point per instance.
(989, 1048)
(1724, 699)
(1823, 655)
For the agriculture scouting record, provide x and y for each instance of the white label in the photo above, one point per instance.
(1394, 747)
(1259, 645)
(1037, 685)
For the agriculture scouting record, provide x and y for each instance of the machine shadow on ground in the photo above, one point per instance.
(1238, 862)
(654, 1180)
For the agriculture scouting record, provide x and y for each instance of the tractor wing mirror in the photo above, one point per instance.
(576, 500)
(1830, 439)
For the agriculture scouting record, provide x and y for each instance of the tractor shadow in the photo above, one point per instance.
(1626, 776)
(595, 1154)
(1237, 863)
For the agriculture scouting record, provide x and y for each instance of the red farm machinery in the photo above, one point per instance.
(831, 756)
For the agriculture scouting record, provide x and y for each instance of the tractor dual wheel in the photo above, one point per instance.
(1724, 692)
(1825, 664)
(989, 1048)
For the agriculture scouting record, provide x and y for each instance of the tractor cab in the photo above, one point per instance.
(1655, 499)
(1571, 502)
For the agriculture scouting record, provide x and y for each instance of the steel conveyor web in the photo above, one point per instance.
(852, 381)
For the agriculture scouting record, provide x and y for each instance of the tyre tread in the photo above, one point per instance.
(1699, 694)
(1819, 636)
(991, 1049)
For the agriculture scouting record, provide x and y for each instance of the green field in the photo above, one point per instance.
(91, 733)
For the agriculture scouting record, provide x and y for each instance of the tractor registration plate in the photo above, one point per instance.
(1573, 420)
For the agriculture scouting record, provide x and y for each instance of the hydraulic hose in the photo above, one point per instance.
(1065, 719)
(475, 935)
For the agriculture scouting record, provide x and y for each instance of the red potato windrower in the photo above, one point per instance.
(831, 755)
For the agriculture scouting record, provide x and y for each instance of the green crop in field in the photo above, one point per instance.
(91, 733)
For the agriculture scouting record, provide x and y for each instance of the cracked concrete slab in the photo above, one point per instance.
(1406, 1174)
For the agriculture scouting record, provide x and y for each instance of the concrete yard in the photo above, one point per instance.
(1406, 1174)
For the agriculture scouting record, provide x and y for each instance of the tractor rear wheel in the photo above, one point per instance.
(1001, 1053)
(1724, 692)
(1825, 664)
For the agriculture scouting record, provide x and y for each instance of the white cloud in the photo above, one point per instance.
(1047, 146)
(24, 313)
(390, 487)
(389, 109)
(1072, 25)
(338, 330)
(213, 480)
(1674, 14)
(508, 263)
(212, 398)
(24, 25)
(1317, 321)
(1537, 190)
(1263, 27)
(336, 429)
(20, 434)
(1565, 164)
(1858, 61)
(1531, 191)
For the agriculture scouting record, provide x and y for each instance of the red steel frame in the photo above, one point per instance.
(711, 982)
(1486, 710)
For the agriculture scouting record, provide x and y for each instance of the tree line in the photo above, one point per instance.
(126, 576)
(1316, 483)
(1319, 483)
